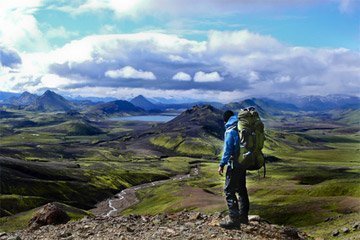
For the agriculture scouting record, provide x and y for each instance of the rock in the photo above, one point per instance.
(14, 238)
(217, 215)
(291, 232)
(171, 231)
(214, 222)
(144, 219)
(197, 223)
(190, 224)
(329, 219)
(195, 216)
(254, 218)
(129, 229)
(356, 226)
(335, 233)
(345, 230)
(50, 214)
(156, 221)
(65, 234)
(183, 229)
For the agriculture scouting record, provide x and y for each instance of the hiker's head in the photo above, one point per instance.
(227, 114)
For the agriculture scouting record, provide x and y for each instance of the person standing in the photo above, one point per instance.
(235, 178)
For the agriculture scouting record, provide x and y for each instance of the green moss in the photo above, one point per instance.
(196, 147)
(201, 146)
(336, 187)
(168, 142)
(178, 164)
(325, 229)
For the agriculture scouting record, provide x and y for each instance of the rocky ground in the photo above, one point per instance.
(182, 225)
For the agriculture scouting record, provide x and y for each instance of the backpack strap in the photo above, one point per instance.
(231, 128)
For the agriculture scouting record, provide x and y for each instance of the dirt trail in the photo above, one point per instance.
(127, 197)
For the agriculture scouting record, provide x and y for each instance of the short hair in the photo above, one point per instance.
(227, 114)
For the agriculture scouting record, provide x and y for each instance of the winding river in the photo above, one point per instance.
(127, 197)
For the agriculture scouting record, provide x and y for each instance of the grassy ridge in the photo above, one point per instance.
(189, 146)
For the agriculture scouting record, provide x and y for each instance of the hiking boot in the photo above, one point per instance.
(233, 223)
(244, 219)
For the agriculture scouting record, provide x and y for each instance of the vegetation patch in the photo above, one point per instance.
(159, 199)
(167, 141)
(196, 147)
(13, 204)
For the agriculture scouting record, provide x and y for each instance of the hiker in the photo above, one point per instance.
(235, 181)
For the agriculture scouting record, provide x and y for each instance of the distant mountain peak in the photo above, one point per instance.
(140, 97)
(26, 93)
(49, 92)
(51, 101)
(144, 103)
(24, 99)
(201, 108)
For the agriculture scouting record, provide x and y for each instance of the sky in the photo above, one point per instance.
(208, 50)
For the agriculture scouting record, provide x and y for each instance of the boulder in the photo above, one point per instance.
(49, 214)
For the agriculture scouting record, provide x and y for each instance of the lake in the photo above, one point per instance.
(146, 118)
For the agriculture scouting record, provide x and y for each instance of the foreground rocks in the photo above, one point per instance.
(49, 214)
(182, 225)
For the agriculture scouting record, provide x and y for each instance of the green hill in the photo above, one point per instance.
(114, 107)
(75, 128)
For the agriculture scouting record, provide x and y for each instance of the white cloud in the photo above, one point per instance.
(253, 76)
(60, 32)
(55, 81)
(126, 93)
(19, 28)
(207, 77)
(181, 76)
(128, 8)
(241, 42)
(241, 63)
(130, 72)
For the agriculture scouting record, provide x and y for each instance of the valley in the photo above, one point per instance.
(81, 157)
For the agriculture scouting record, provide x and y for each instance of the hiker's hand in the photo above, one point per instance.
(221, 170)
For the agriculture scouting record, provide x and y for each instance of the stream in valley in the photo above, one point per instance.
(127, 197)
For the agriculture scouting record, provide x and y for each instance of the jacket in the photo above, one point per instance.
(231, 144)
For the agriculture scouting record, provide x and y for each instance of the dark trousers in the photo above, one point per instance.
(235, 182)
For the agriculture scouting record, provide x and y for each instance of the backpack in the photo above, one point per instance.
(252, 137)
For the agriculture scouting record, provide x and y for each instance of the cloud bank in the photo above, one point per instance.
(233, 62)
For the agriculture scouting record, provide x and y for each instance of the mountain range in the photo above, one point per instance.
(318, 103)
(273, 104)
